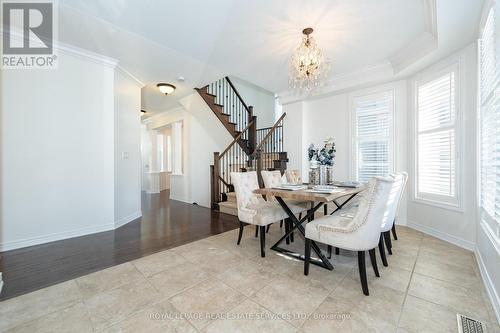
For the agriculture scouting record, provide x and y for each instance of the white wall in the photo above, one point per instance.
(63, 135)
(261, 100)
(57, 152)
(202, 135)
(456, 226)
(127, 106)
(311, 121)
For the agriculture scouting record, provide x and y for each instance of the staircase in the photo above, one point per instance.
(252, 149)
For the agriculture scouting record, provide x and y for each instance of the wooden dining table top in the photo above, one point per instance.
(305, 195)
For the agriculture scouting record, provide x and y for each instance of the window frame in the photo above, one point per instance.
(353, 136)
(451, 203)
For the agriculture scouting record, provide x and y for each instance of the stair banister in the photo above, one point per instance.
(237, 93)
(268, 135)
(236, 139)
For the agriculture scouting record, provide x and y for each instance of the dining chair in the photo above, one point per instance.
(293, 176)
(253, 209)
(405, 176)
(273, 179)
(357, 228)
(385, 237)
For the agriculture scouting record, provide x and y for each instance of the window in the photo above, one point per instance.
(160, 146)
(490, 127)
(373, 133)
(436, 138)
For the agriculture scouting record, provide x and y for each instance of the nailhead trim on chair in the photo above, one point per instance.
(357, 226)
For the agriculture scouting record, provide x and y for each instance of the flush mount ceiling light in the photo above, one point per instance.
(166, 88)
(308, 68)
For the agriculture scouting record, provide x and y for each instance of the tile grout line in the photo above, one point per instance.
(408, 286)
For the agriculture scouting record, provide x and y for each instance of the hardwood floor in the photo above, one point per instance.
(165, 224)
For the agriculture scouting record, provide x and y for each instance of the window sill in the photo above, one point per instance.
(439, 204)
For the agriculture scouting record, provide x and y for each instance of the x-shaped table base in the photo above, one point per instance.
(321, 261)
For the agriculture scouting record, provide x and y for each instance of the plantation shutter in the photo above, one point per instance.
(373, 135)
(436, 151)
(490, 127)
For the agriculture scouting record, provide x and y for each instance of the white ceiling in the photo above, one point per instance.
(203, 40)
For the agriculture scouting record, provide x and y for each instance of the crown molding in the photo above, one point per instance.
(423, 45)
(139, 83)
(83, 54)
(411, 53)
(430, 17)
(64, 48)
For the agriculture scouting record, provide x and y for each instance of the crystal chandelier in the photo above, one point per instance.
(308, 67)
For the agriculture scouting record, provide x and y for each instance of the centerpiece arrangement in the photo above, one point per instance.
(321, 162)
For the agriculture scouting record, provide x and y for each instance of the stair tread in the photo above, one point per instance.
(228, 203)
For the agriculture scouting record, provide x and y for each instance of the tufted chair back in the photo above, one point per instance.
(374, 210)
(244, 185)
(293, 176)
(271, 179)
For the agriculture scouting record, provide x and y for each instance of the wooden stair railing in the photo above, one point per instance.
(269, 153)
(226, 103)
(250, 149)
(233, 158)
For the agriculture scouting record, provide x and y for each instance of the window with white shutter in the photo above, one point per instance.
(373, 133)
(436, 139)
(490, 127)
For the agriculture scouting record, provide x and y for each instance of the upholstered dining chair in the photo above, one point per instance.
(273, 179)
(293, 176)
(358, 228)
(253, 209)
(385, 237)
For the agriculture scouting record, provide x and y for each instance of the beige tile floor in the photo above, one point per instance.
(212, 285)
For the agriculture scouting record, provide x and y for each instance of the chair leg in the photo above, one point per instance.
(287, 239)
(394, 231)
(307, 256)
(300, 216)
(373, 259)
(267, 229)
(290, 226)
(337, 251)
(325, 209)
(281, 224)
(256, 231)
(362, 272)
(240, 233)
(329, 252)
(388, 243)
(382, 251)
(262, 241)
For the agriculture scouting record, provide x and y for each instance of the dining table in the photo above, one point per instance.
(339, 196)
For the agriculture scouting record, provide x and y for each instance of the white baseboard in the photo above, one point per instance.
(7, 246)
(488, 282)
(442, 235)
(127, 219)
(173, 197)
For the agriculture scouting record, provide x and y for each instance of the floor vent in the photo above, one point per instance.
(469, 325)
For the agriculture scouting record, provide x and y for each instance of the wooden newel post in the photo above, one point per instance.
(252, 131)
(258, 159)
(215, 180)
